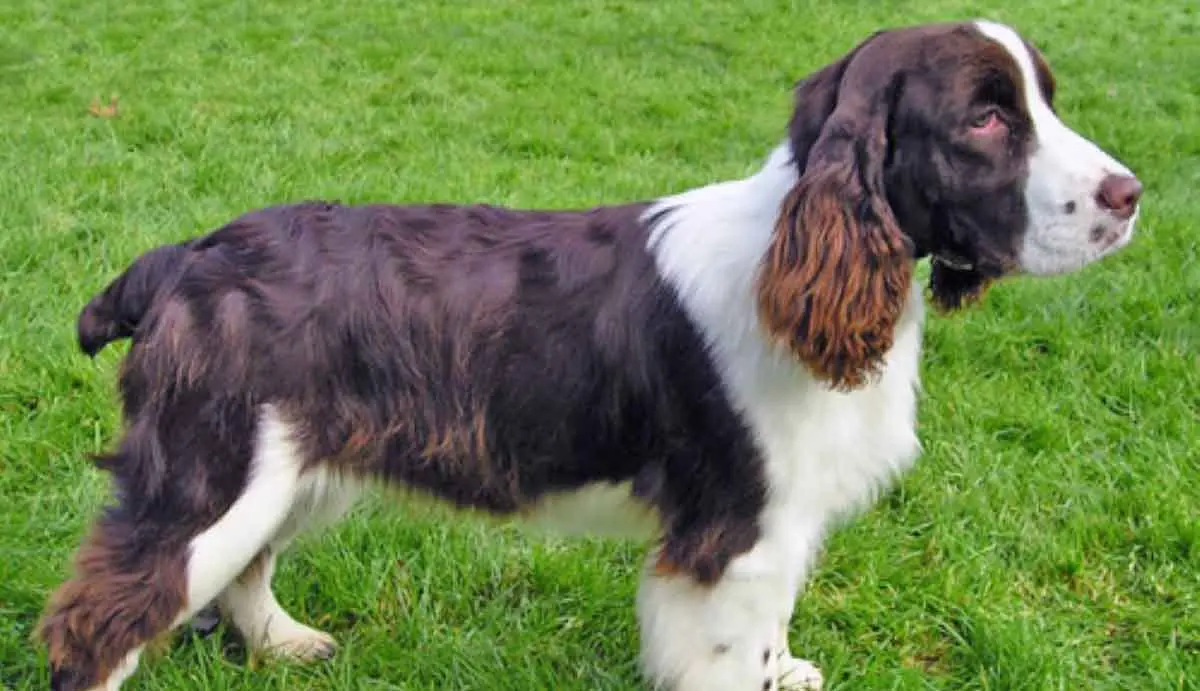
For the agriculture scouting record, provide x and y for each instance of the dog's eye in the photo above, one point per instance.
(986, 122)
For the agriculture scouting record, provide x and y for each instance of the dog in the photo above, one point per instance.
(725, 371)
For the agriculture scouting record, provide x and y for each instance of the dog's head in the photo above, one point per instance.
(937, 141)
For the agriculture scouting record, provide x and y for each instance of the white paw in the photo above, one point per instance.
(292, 640)
(798, 675)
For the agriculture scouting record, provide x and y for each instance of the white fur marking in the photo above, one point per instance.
(827, 453)
(123, 671)
(322, 496)
(222, 551)
(712, 638)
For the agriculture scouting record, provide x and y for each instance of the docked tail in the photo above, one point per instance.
(116, 312)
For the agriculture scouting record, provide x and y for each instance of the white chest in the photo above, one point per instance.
(828, 452)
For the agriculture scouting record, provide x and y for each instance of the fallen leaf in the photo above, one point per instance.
(107, 112)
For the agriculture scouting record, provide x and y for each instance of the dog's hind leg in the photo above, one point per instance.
(263, 623)
(249, 601)
(137, 578)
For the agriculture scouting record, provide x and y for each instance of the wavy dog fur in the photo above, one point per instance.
(836, 278)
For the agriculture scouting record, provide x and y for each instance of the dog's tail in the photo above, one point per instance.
(116, 313)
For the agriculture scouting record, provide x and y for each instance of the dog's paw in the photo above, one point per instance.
(298, 643)
(798, 675)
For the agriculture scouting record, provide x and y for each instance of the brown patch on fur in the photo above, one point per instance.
(705, 551)
(233, 316)
(835, 278)
(357, 444)
(119, 599)
(665, 568)
(467, 440)
(171, 347)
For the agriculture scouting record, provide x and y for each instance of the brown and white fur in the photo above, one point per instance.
(731, 368)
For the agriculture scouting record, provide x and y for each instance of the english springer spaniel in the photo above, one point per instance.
(725, 371)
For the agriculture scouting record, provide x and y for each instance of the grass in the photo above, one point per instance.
(1049, 538)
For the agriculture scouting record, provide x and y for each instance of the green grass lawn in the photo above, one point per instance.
(1048, 539)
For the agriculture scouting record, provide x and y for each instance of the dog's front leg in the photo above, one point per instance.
(731, 634)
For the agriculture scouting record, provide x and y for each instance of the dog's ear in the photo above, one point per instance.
(836, 276)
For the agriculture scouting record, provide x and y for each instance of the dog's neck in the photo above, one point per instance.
(710, 242)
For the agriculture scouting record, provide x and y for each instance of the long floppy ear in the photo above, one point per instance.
(836, 276)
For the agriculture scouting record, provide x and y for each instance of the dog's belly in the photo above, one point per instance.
(605, 509)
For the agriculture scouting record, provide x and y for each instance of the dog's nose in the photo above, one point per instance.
(1119, 195)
